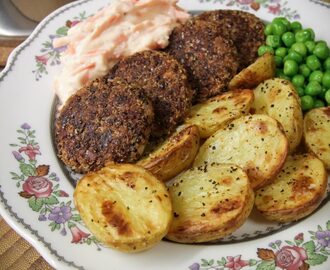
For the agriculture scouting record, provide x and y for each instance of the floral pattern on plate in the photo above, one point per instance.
(51, 55)
(42, 190)
(274, 7)
(298, 254)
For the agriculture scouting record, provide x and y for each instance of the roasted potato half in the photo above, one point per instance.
(278, 99)
(216, 112)
(174, 155)
(262, 69)
(209, 202)
(317, 133)
(256, 143)
(124, 206)
(296, 192)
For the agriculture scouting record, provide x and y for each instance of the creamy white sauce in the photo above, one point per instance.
(120, 29)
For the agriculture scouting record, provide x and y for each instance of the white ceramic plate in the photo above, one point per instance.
(36, 194)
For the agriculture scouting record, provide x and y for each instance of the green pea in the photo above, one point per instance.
(310, 45)
(284, 21)
(321, 50)
(290, 68)
(318, 103)
(279, 28)
(311, 31)
(268, 29)
(296, 26)
(273, 41)
(288, 39)
(304, 70)
(300, 48)
(292, 55)
(307, 102)
(278, 61)
(326, 79)
(300, 90)
(281, 52)
(298, 80)
(303, 35)
(313, 62)
(264, 49)
(326, 64)
(316, 76)
(327, 97)
(279, 74)
(313, 88)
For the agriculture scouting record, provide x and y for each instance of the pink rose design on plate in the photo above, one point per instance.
(290, 258)
(40, 187)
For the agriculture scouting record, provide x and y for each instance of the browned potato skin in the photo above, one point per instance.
(281, 213)
(200, 218)
(279, 99)
(317, 133)
(262, 69)
(218, 111)
(174, 155)
(257, 143)
(124, 206)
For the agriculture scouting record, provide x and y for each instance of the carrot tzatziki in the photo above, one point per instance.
(120, 29)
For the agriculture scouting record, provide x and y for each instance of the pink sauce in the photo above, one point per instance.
(120, 29)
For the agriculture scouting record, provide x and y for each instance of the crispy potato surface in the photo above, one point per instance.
(209, 202)
(173, 155)
(216, 112)
(256, 143)
(296, 192)
(262, 69)
(124, 206)
(317, 133)
(278, 99)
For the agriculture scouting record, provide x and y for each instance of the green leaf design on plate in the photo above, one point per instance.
(316, 259)
(27, 169)
(309, 246)
(328, 225)
(266, 265)
(51, 200)
(62, 31)
(35, 203)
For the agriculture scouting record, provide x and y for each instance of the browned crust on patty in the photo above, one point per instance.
(210, 59)
(104, 121)
(165, 83)
(245, 29)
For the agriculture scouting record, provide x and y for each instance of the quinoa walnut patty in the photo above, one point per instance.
(165, 83)
(210, 59)
(245, 29)
(104, 121)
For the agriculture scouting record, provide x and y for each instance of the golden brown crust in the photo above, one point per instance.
(218, 111)
(102, 122)
(260, 70)
(124, 206)
(209, 202)
(317, 133)
(296, 192)
(174, 155)
(256, 143)
(278, 99)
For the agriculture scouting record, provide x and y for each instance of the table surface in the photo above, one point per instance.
(16, 253)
